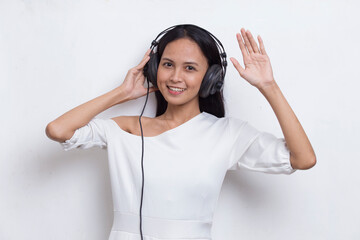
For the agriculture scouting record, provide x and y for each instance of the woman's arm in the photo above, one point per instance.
(302, 155)
(64, 126)
(258, 72)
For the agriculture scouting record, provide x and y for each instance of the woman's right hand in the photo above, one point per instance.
(133, 84)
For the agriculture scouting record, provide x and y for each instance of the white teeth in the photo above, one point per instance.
(177, 89)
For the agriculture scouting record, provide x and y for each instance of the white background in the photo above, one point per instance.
(55, 55)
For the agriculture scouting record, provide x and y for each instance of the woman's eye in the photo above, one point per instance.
(167, 64)
(191, 68)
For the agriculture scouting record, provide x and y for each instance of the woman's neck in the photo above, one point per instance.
(180, 114)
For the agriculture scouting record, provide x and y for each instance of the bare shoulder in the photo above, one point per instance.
(126, 123)
(130, 124)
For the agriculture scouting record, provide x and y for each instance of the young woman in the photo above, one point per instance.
(190, 144)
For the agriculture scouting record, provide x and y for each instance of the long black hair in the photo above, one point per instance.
(213, 104)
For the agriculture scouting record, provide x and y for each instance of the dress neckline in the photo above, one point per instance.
(163, 133)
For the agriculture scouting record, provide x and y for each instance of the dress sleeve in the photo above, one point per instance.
(257, 151)
(92, 134)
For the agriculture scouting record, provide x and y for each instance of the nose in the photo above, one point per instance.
(176, 75)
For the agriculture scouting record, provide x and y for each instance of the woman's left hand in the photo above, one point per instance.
(258, 71)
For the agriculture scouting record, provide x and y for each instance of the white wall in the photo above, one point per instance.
(55, 55)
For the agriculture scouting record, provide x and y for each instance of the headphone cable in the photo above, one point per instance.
(142, 157)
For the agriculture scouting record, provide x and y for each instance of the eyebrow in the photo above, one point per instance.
(168, 59)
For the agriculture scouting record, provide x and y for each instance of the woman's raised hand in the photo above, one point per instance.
(258, 71)
(133, 84)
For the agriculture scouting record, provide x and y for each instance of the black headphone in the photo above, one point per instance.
(212, 82)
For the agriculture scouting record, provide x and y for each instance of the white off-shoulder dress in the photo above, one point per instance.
(184, 169)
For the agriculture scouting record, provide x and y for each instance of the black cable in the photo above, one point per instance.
(142, 157)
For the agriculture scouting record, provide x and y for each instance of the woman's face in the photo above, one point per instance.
(181, 70)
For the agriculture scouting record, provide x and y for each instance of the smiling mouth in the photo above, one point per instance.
(176, 89)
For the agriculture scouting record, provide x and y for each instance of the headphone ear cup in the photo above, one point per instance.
(212, 82)
(151, 68)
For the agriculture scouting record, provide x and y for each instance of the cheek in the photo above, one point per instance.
(161, 76)
(195, 80)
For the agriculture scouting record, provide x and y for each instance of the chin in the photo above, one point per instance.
(181, 101)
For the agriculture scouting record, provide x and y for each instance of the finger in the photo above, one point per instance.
(247, 42)
(241, 45)
(147, 52)
(143, 62)
(237, 65)
(153, 89)
(262, 47)
(252, 42)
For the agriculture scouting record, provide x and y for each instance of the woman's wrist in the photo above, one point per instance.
(119, 95)
(268, 88)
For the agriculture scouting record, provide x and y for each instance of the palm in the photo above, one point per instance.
(258, 71)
